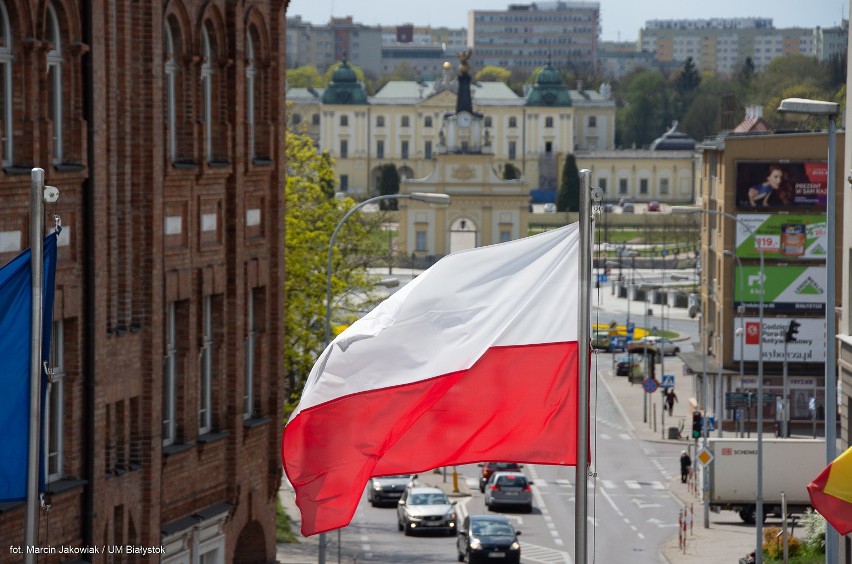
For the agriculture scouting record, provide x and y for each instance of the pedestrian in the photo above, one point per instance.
(671, 398)
(685, 466)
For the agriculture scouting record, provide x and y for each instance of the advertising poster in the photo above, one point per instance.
(809, 345)
(788, 288)
(781, 185)
(785, 236)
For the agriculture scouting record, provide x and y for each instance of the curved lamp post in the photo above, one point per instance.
(430, 198)
(801, 108)
(759, 493)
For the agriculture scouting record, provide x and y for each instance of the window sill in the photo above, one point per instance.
(218, 164)
(176, 448)
(17, 170)
(64, 485)
(184, 165)
(253, 422)
(213, 437)
(261, 161)
(69, 167)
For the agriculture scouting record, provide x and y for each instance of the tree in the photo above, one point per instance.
(305, 77)
(493, 74)
(746, 72)
(686, 83)
(568, 198)
(509, 172)
(389, 184)
(645, 113)
(310, 220)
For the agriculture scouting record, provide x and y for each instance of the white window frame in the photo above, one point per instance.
(55, 400)
(171, 69)
(212, 551)
(6, 59)
(54, 72)
(251, 71)
(205, 380)
(169, 377)
(207, 91)
(248, 392)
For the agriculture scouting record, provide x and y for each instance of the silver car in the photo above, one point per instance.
(508, 489)
(423, 508)
(386, 490)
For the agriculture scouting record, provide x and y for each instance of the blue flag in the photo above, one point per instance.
(15, 346)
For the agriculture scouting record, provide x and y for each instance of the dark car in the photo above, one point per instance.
(487, 538)
(489, 468)
(653, 206)
(386, 490)
(508, 489)
(628, 364)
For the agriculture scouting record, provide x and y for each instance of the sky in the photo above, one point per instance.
(620, 19)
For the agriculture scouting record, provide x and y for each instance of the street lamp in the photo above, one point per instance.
(759, 492)
(430, 198)
(740, 310)
(801, 108)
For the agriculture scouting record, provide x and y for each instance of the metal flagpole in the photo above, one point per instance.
(585, 318)
(36, 266)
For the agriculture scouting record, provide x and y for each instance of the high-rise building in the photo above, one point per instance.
(162, 126)
(527, 36)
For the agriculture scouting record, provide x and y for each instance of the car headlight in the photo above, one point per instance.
(515, 546)
(475, 544)
(377, 486)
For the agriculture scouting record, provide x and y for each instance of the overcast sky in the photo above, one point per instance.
(620, 19)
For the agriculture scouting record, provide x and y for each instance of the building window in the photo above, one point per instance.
(55, 420)
(427, 150)
(622, 186)
(380, 121)
(505, 236)
(548, 147)
(664, 186)
(420, 242)
(315, 119)
(344, 148)
(513, 122)
(593, 121)
(404, 149)
(54, 72)
(427, 122)
(344, 120)
(512, 150)
(488, 121)
(250, 74)
(643, 185)
(380, 149)
(602, 184)
(171, 69)
(6, 98)
(344, 182)
(169, 377)
(205, 381)
(404, 121)
(248, 382)
(548, 122)
(207, 64)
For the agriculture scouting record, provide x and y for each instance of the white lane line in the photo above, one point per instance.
(617, 405)
(612, 503)
(609, 484)
(632, 484)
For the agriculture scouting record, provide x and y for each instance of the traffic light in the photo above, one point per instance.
(696, 424)
(791, 331)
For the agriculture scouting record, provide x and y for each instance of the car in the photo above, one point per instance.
(653, 206)
(660, 344)
(510, 489)
(489, 468)
(628, 364)
(607, 208)
(386, 490)
(424, 508)
(600, 340)
(486, 538)
(627, 207)
(550, 208)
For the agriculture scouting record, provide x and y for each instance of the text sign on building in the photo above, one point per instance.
(782, 236)
(786, 185)
(809, 345)
(785, 288)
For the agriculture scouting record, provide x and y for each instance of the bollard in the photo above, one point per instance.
(655, 417)
(679, 531)
(691, 516)
(684, 530)
(455, 480)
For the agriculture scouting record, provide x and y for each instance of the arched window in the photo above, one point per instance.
(6, 59)
(380, 121)
(250, 74)
(54, 72)
(207, 91)
(513, 122)
(171, 70)
(427, 122)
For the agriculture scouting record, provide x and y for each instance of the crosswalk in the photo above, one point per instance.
(606, 484)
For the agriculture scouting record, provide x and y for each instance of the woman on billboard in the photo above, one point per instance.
(770, 192)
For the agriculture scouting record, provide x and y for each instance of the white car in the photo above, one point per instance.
(662, 344)
(426, 509)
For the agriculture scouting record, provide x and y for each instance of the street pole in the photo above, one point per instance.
(784, 405)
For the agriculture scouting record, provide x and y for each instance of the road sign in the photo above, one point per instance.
(650, 385)
(602, 278)
(704, 456)
(668, 380)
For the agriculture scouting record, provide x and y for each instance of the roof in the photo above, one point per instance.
(413, 92)
(305, 95)
(673, 140)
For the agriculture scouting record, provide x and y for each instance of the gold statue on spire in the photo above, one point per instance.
(464, 57)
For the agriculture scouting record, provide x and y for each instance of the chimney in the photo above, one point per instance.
(754, 112)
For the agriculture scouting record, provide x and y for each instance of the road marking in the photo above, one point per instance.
(617, 404)
(625, 436)
(544, 555)
(612, 503)
(661, 524)
(472, 482)
(565, 483)
(608, 484)
(604, 436)
(538, 482)
(632, 484)
(642, 505)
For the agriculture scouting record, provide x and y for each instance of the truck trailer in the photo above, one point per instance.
(789, 465)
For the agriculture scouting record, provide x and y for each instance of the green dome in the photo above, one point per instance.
(549, 76)
(344, 87)
(549, 89)
(344, 74)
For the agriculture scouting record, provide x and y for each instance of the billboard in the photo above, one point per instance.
(785, 288)
(809, 345)
(793, 236)
(764, 185)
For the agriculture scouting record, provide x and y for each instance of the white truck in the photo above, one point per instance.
(789, 465)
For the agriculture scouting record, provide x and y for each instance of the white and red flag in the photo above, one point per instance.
(476, 359)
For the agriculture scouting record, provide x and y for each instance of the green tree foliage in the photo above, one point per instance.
(746, 72)
(388, 185)
(304, 77)
(509, 172)
(493, 74)
(310, 220)
(568, 197)
(686, 82)
(403, 71)
(645, 113)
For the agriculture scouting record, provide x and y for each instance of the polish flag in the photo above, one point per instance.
(474, 360)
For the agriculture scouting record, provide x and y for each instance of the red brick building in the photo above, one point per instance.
(162, 125)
